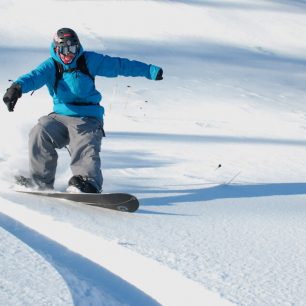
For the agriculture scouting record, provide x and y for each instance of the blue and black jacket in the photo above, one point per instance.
(76, 94)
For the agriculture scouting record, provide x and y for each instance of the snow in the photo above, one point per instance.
(215, 152)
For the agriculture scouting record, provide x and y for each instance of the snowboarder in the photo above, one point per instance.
(77, 117)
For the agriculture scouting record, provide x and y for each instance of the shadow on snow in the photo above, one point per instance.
(197, 49)
(89, 283)
(196, 139)
(295, 5)
(233, 191)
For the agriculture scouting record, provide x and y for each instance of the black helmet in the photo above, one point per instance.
(66, 45)
(66, 37)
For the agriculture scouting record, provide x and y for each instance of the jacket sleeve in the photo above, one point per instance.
(107, 66)
(38, 77)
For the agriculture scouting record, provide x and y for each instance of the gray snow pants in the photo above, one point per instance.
(82, 135)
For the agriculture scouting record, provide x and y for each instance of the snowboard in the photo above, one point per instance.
(117, 201)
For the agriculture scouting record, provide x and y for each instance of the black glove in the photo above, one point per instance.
(159, 76)
(12, 95)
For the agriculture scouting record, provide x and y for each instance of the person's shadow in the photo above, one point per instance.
(223, 192)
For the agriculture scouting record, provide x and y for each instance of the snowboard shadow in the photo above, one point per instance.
(232, 191)
(89, 283)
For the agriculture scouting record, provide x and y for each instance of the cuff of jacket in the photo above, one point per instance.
(154, 71)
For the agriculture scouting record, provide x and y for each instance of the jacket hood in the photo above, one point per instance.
(56, 57)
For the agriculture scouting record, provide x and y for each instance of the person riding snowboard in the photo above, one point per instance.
(77, 117)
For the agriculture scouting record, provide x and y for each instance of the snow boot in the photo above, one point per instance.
(31, 184)
(24, 181)
(78, 183)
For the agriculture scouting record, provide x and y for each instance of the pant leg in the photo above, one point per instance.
(45, 137)
(85, 146)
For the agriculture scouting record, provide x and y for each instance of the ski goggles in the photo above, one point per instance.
(68, 49)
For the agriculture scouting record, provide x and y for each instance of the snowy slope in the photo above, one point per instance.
(215, 152)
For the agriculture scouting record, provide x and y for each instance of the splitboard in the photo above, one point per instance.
(117, 201)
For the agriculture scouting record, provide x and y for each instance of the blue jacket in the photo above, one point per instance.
(76, 87)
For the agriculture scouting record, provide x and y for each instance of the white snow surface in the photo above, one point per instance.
(216, 153)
